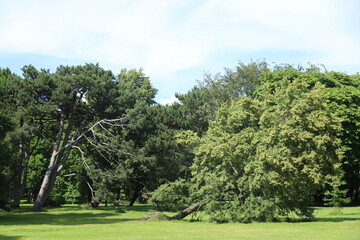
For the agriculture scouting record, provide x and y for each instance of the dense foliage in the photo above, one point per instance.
(266, 157)
(252, 144)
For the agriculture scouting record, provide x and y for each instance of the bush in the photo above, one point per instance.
(171, 196)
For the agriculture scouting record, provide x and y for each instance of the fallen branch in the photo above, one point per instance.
(160, 216)
(186, 212)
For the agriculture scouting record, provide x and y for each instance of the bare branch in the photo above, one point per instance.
(91, 190)
(117, 122)
(82, 156)
(70, 175)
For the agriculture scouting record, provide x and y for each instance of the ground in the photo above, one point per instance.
(78, 222)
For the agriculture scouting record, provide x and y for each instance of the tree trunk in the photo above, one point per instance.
(136, 195)
(16, 197)
(20, 185)
(186, 212)
(52, 170)
(47, 184)
(50, 177)
(355, 194)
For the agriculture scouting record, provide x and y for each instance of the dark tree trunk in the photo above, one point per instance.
(133, 199)
(355, 194)
(94, 203)
(186, 212)
(19, 171)
(22, 171)
(136, 195)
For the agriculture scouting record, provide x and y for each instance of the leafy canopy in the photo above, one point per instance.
(265, 157)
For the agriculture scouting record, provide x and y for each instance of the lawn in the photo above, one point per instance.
(74, 222)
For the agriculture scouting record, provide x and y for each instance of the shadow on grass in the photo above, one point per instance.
(342, 218)
(60, 218)
(339, 214)
(9, 237)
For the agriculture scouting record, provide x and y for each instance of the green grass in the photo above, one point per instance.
(72, 222)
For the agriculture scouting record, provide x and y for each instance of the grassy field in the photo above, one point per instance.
(74, 222)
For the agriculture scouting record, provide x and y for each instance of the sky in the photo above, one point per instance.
(176, 42)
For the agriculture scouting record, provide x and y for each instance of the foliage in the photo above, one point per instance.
(335, 198)
(234, 83)
(5, 160)
(6, 126)
(251, 143)
(171, 196)
(342, 92)
(149, 154)
(195, 110)
(262, 158)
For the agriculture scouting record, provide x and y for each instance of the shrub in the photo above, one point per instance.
(171, 196)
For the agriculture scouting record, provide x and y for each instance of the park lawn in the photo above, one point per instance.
(72, 222)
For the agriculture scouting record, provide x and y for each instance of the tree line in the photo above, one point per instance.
(253, 143)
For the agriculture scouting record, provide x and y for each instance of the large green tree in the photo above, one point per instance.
(6, 125)
(266, 157)
(342, 92)
(26, 96)
(5, 159)
(74, 100)
(120, 164)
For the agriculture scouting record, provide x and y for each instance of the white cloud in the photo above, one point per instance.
(169, 101)
(164, 37)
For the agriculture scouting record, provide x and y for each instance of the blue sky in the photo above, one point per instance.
(177, 41)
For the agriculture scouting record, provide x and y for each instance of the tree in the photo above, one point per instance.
(119, 164)
(265, 157)
(242, 81)
(6, 125)
(150, 155)
(5, 156)
(194, 110)
(342, 92)
(77, 98)
(25, 95)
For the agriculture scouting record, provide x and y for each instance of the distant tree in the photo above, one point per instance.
(234, 83)
(194, 110)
